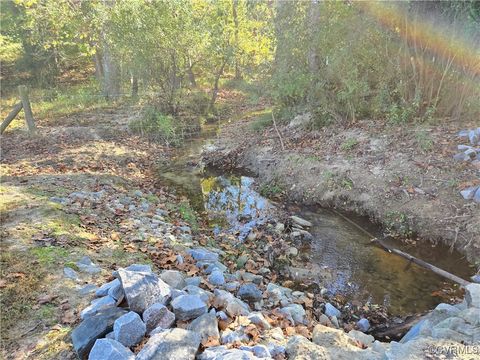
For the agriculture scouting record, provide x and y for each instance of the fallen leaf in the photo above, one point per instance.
(210, 341)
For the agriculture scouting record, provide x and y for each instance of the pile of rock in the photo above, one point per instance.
(222, 315)
(454, 328)
(470, 153)
(168, 316)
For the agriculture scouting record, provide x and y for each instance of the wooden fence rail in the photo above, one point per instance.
(24, 104)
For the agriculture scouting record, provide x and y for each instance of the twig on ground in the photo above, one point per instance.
(278, 132)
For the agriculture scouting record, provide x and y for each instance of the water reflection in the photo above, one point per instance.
(232, 205)
(363, 271)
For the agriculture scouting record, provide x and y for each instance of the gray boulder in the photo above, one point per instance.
(107, 349)
(117, 292)
(302, 222)
(171, 344)
(87, 266)
(195, 290)
(143, 289)
(363, 324)
(173, 278)
(232, 305)
(202, 254)
(331, 310)
(87, 289)
(129, 329)
(224, 353)
(472, 295)
(92, 328)
(158, 315)
(257, 318)
(295, 312)
(98, 305)
(103, 290)
(300, 348)
(250, 292)
(216, 278)
(187, 307)
(206, 326)
(70, 273)
(195, 281)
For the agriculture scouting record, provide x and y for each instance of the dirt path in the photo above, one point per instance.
(401, 177)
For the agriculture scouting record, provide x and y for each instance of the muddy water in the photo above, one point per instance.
(340, 254)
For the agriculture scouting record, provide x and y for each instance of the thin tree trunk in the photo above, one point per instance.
(215, 86)
(111, 86)
(97, 58)
(313, 25)
(134, 81)
(191, 74)
(238, 74)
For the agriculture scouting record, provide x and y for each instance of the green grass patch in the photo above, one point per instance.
(270, 190)
(349, 144)
(50, 255)
(424, 140)
(189, 215)
(261, 121)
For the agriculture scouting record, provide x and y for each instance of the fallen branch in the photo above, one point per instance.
(421, 263)
(395, 332)
(278, 132)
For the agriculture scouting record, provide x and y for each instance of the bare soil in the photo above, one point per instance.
(402, 177)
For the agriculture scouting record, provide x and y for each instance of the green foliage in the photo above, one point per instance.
(49, 255)
(261, 122)
(270, 190)
(346, 183)
(397, 224)
(157, 126)
(368, 67)
(10, 51)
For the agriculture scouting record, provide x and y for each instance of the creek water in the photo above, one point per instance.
(340, 252)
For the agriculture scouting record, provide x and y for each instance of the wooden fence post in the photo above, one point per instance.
(23, 91)
(16, 109)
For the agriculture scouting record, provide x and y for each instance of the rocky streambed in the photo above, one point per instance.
(222, 315)
(228, 299)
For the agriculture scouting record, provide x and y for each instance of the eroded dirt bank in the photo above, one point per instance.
(403, 178)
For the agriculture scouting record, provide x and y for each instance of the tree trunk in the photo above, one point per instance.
(97, 58)
(111, 85)
(313, 25)
(191, 74)
(238, 74)
(134, 81)
(215, 86)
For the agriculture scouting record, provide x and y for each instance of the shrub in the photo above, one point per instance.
(158, 127)
(376, 60)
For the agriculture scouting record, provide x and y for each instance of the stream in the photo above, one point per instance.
(340, 254)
